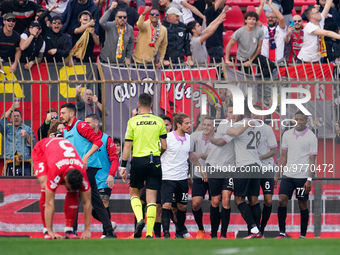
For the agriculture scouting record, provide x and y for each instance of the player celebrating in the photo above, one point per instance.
(222, 155)
(200, 147)
(246, 182)
(299, 148)
(57, 162)
(144, 130)
(175, 175)
(267, 150)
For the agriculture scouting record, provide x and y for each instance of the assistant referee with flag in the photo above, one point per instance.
(144, 130)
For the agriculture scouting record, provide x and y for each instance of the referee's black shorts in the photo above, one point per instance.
(144, 171)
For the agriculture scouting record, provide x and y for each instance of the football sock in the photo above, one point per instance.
(246, 214)
(137, 208)
(71, 208)
(42, 206)
(225, 217)
(256, 213)
(181, 217)
(304, 221)
(198, 215)
(214, 220)
(282, 214)
(157, 229)
(166, 213)
(150, 218)
(266, 212)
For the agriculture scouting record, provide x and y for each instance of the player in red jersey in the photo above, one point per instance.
(57, 162)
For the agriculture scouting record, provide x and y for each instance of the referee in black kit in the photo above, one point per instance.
(144, 130)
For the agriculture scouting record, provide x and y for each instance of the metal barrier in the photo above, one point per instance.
(175, 88)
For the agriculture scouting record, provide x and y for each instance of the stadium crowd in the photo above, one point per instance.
(162, 147)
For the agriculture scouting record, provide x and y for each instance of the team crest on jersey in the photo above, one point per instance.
(180, 34)
(82, 125)
(54, 183)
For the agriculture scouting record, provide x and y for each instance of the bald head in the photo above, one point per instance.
(297, 22)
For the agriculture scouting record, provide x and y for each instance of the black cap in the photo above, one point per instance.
(35, 23)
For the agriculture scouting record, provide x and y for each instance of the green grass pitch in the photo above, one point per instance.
(26, 246)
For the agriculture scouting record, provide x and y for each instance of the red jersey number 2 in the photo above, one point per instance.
(69, 151)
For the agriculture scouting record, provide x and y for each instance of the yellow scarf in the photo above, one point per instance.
(120, 45)
(322, 47)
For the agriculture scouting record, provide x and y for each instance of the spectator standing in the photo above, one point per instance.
(178, 39)
(9, 41)
(215, 42)
(294, 38)
(86, 24)
(57, 43)
(313, 47)
(24, 11)
(32, 45)
(51, 118)
(19, 139)
(199, 37)
(132, 14)
(152, 39)
(70, 17)
(274, 34)
(87, 104)
(119, 39)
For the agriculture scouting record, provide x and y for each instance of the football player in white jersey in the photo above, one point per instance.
(267, 150)
(247, 177)
(200, 146)
(297, 162)
(221, 186)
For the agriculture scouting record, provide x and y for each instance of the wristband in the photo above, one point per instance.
(309, 179)
(124, 163)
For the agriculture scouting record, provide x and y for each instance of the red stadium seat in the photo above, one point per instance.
(293, 12)
(263, 17)
(140, 11)
(303, 2)
(226, 37)
(243, 3)
(234, 19)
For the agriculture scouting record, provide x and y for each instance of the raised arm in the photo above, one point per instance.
(327, 7)
(278, 14)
